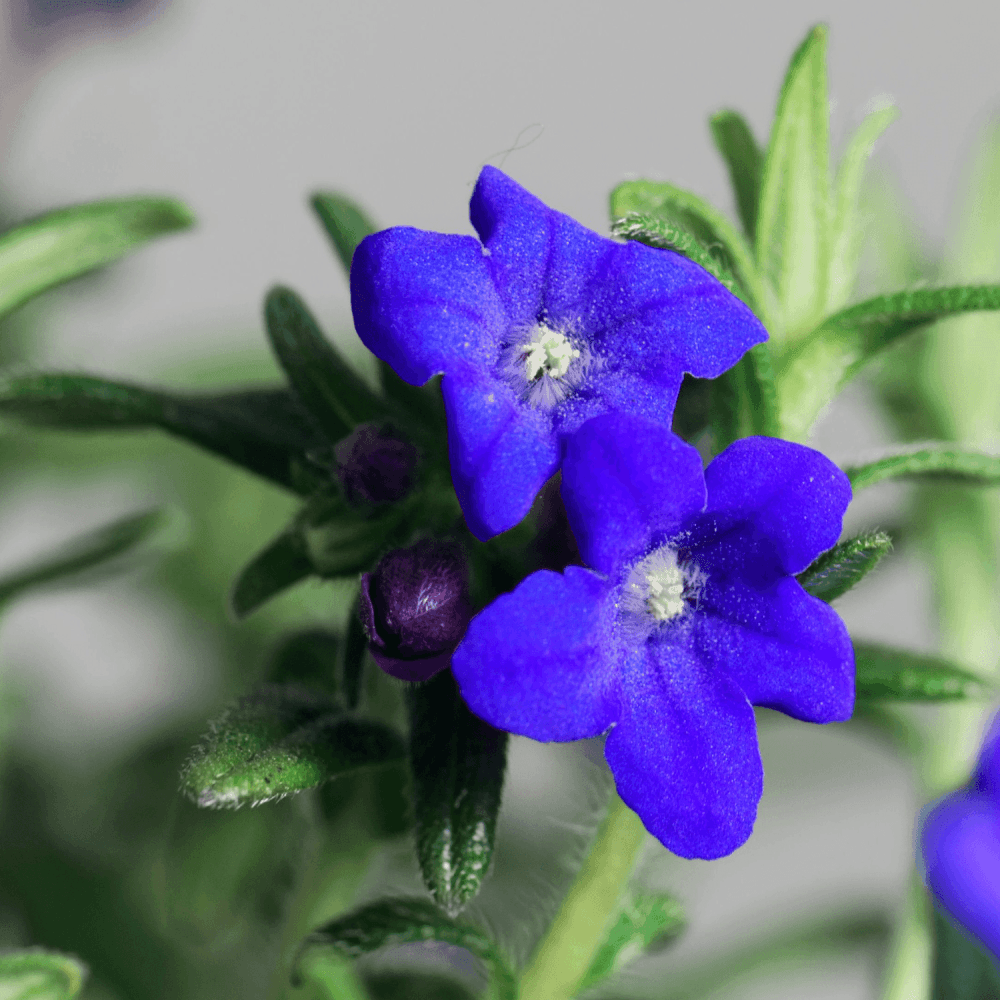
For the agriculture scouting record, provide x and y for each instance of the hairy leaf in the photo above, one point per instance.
(648, 920)
(278, 740)
(835, 572)
(744, 399)
(327, 386)
(814, 370)
(309, 657)
(407, 921)
(458, 764)
(962, 968)
(898, 675)
(793, 224)
(280, 565)
(735, 141)
(66, 243)
(85, 553)
(36, 974)
(346, 540)
(263, 430)
(968, 467)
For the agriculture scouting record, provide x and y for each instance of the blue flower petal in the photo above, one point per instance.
(961, 855)
(793, 495)
(534, 662)
(785, 649)
(423, 302)
(684, 754)
(625, 481)
(987, 773)
(500, 453)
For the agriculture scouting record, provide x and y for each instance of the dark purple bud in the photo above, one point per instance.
(415, 608)
(376, 464)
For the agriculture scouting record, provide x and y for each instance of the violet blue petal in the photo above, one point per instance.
(987, 774)
(536, 662)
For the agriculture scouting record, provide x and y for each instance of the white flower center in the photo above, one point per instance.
(660, 588)
(548, 352)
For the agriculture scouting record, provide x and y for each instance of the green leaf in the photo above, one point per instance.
(744, 399)
(310, 657)
(942, 462)
(735, 141)
(36, 974)
(96, 549)
(962, 968)
(707, 225)
(407, 921)
(327, 386)
(64, 244)
(813, 372)
(280, 565)
(666, 235)
(898, 675)
(278, 740)
(344, 221)
(648, 920)
(835, 572)
(386, 984)
(352, 664)
(793, 224)
(263, 430)
(846, 238)
(458, 764)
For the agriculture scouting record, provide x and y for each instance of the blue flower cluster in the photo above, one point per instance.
(562, 349)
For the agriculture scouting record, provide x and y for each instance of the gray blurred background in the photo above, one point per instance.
(241, 110)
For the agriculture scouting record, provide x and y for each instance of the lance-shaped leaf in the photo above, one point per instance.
(64, 244)
(646, 921)
(278, 740)
(280, 565)
(745, 400)
(706, 224)
(406, 921)
(836, 571)
(458, 763)
(885, 674)
(353, 650)
(962, 968)
(943, 462)
(310, 657)
(845, 240)
(36, 974)
(811, 373)
(263, 430)
(328, 387)
(735, 141)
(793, 223)
(85, 553)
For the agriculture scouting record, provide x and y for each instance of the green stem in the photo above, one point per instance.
(565, 953)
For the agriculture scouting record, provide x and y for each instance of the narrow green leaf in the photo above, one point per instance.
(345, 223)
(407, 921)
(897, 675)
(352, 663)
(744, 399)
(793, 224)
(648, 920)
(96, 549)
(263, 430)
(835, 572)
(941, 462)
(709, 226)
(309, 657)
(64, 244)
(962, 968)
(814, 370)
(282, 564)
(664, 235)
(327, 386)
(386, 984)
(278, 740)
(347, 540)
(36, 974)
(735, 141)
(847, 232)
(458, 764)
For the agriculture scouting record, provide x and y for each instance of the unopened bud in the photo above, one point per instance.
(415, 608)
(376, 464)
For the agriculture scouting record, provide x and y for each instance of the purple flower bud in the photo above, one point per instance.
(376, 464)
(415, 608)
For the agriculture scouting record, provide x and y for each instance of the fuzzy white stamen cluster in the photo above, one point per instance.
(660, 588)
(548, 352)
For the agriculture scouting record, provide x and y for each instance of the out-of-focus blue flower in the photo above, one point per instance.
(688, 615)
(537, 328)
(960, 842)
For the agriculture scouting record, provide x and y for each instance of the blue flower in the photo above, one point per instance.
(960, 842)
(539, 327)
(689, 615)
